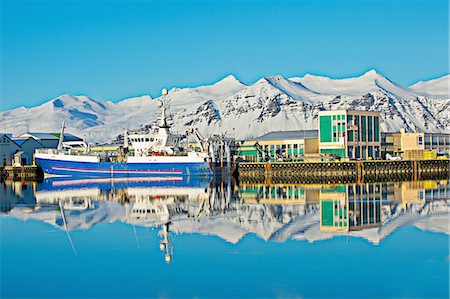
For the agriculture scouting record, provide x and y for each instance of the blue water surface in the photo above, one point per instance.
(37, 261)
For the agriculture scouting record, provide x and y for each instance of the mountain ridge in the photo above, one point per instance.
(271, 103)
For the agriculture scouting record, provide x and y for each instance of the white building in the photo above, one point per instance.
(49, 140)
(7, 149)
(27, 146)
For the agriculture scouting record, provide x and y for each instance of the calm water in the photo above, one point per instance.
(195, 238)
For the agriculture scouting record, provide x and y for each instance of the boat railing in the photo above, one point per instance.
(47, 151)
(54, 151)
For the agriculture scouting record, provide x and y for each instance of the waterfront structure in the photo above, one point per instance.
(279, 145)
(279, 194)
(49, 140)
(414, 146)
(416, 192)
(402, 144)
(157, 153)
(438, 142)
(350, 134)
(350, 207)
(19, 150)
(28, 146)
(7, 149)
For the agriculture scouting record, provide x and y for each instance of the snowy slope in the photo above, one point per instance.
(370, 82)
(231, 107)
(278, 223)
(434, 88)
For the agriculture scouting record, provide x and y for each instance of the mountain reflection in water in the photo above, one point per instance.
(272, 212)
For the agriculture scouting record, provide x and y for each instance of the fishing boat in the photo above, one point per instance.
(157, 152)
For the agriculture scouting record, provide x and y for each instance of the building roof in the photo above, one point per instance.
(9, 136)
(20, 141)
(35, 135)
(68, 137)
(289, 135)
(50, 136)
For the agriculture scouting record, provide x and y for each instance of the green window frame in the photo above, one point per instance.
(363, 128)
(325, 128)
(376, 127)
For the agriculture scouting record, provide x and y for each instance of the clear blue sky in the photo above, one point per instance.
(117, 49)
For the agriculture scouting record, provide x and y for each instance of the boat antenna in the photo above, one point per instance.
(163, 103)
(136, 238)
(66, 228)
(61, 135)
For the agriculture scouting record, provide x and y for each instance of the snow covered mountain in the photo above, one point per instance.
(229, 106)
(278, 223)
(438, 87)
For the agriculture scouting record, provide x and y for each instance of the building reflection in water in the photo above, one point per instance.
(272, 212)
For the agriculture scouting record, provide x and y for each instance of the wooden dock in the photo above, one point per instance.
(28, 172)
(343, 172)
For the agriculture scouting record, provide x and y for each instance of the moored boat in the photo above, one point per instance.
(157, 152)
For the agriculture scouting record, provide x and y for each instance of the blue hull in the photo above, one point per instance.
(116, 169)
(107, 184)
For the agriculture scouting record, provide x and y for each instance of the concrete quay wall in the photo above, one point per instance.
(343, 172)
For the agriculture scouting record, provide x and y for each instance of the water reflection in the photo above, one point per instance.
(221, 208)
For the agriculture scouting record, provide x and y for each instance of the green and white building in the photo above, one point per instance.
(350, 134)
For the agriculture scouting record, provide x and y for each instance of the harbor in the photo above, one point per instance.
(162, 226)
(342, 172)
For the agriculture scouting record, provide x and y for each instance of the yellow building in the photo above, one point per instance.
(276, 146)
(279, 194)
(417, 192)
(410, 146)
(438, 142)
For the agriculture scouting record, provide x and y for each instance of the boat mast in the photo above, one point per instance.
(162, 106)
(61, 136)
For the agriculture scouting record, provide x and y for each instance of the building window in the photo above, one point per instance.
(369, 126)
(434, 140)
(363, 128)
(420, 140)
(370, 151)
(350, 135)
(376, 128)
(350, 120)
(325, 128)
(363, 152)
(350, 152)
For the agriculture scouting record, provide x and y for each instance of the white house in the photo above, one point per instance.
(7, 149)
(27, 146)
(49, 140)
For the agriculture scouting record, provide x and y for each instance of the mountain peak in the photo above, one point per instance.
(371, 72)
(229, 80)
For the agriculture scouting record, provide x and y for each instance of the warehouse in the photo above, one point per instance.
(279, 146)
